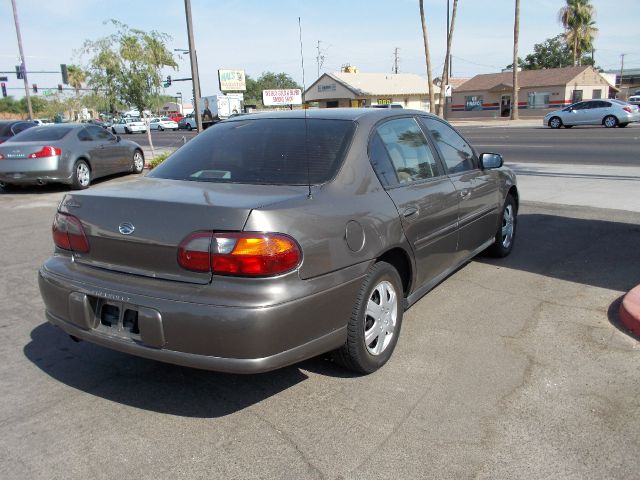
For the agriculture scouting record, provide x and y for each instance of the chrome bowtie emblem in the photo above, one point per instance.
(126, 228)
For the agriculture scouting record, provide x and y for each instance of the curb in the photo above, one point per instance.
(630, 311)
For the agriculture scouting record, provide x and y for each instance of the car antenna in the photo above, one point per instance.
(306, 124)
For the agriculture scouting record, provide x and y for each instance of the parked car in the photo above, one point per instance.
(176, 117)
(43, 121)
(10, 128)
(273, 238)
(187, 123)
(609, 113)
(634, 100)
(71, 153)
(129, 125)
(162, 123)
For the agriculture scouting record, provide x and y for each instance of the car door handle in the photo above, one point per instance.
(465, 194)
(411, 212)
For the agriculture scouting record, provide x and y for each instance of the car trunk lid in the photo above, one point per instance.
(136, 227)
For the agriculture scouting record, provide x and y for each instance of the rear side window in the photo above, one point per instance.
(42, 134)
(262, 151)
(408, 150)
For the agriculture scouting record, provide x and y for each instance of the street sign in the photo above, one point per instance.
(4, 79)
(282, 97)
(448, 90)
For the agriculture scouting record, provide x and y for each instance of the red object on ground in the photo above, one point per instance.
(630, 311)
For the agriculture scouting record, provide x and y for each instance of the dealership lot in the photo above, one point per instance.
(511, 368)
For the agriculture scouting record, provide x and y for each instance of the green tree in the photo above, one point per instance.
(127, 65)
(552, 53)
(266, 81)
(580, 30)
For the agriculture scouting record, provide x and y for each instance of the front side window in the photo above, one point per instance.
(270, 151)
(454, 150)
(408, 150)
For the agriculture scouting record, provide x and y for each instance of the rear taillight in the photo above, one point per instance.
(628, 109)
(68, 233)
(46, 152)
(240, 254)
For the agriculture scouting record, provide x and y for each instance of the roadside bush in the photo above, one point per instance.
(159, 158)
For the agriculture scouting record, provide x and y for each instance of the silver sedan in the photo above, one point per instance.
(73, 154)
(610, 113)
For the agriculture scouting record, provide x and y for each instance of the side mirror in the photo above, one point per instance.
(490, 160)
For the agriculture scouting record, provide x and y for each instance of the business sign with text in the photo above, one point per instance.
(232, 80)
(272, 98)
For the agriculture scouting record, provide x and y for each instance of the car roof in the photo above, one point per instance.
(334, 114)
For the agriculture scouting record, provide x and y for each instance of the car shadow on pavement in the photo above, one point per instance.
(597, 253)
(60, 187)
(156, 386)
(591, 252)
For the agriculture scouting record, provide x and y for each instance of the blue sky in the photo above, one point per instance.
(263, 35)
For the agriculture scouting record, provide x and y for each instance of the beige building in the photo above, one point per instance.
(540, 91)
(354, 89)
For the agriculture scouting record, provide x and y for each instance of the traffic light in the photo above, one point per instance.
(168, 82)
(60, 87)
(35, 88)
(4, 89)
(18, 72)
(65, 73)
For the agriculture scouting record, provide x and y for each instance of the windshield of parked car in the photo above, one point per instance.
(42, 134)
(262, 151)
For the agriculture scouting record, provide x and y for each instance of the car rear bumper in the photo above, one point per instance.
(137, 128)
(31, 171)
(235, 339)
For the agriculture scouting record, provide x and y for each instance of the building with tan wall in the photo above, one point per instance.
(540, 91)
(355, 89)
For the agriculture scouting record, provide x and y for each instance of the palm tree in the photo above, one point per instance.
(577, 19)
(445, 72)
(427, 57)
(516, 35)
(76, 76)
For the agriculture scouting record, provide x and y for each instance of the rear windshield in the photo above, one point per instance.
(42, 134)
(263, 151)
(5, 129)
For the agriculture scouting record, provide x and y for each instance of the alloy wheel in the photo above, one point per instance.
(508, 220)
(83, 174)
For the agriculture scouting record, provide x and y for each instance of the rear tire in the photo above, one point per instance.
(161, 129)
(137, 165)
(189, 127)
(376, 318)
(506, 234)
(610, 121)
(555, 122)
(81, 175)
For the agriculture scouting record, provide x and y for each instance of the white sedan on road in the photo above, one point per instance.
(162, 123)
(129, 125)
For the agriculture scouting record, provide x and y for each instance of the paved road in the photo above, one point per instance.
(166, 139)
(579, 145)
(510, 369)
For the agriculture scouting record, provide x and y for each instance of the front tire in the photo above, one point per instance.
(555, 122)
(610, 121)
(376, 318)
(137, 162)
(161, 129)
(506, 234)
(81, 175)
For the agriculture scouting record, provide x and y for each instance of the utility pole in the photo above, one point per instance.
(395, 60)
(516, 36)
(320, 58)
(448, 30)
(194, 66)
(23, 65)
(621, 69)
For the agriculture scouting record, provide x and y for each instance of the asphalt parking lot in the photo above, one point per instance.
(509, 369)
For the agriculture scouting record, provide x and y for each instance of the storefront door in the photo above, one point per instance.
(505, 106)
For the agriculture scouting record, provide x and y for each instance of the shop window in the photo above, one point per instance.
(539, 99)
(473, 102)
(597, 94)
